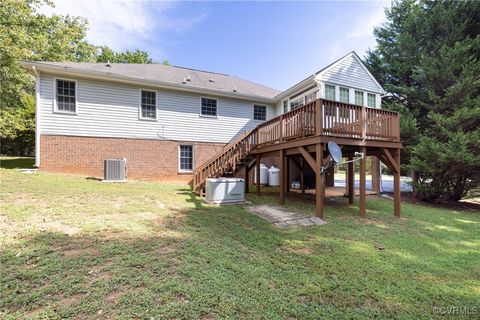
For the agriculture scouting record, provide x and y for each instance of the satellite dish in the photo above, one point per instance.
(335, 151)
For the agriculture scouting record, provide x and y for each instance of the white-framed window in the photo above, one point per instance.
(65, 96)
(371, 100)
(359, 98)
(208, 107)
(148, 105)
(296, 103)
(344, 95)
(259, 112)
(285, 106)
(185, 158)
(329, 92)
(311, 97)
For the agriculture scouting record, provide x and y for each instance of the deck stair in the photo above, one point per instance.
(318, 118)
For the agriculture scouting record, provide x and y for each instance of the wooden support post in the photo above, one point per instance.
(330, 177)
(287, 176)
(302, 176)
(396, 185)
(363, 187)
(351, 180)
(282, 177)
(257, 170)
(319, 187)
(375, 174)
(247, 182)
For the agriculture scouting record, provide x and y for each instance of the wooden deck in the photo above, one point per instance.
(304, 132)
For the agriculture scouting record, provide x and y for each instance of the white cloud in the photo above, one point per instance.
(364, 27)
(360, 38)
(124, 24)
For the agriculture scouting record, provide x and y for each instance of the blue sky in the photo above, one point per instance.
(274, 43)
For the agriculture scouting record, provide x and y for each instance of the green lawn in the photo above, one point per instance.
(77, 248)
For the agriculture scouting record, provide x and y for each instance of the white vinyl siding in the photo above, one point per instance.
(107, 109)
(329, 92)
(359, 98)
(185, 158)
(285, 106)
(344, 95)
(371, 100)
(350, 73)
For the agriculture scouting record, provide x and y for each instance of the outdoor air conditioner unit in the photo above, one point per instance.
(115, 170)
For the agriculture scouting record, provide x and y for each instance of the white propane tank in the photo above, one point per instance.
(273, 177)
(263, 175)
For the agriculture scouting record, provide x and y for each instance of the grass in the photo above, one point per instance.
(77, 248)
(17, 162)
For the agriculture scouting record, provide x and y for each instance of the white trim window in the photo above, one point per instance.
(359, 97)
(208, 107)
(65, 96)
(259, 112)
(311, 97)
(371, 100)
(185, 158)
(148, 105)
(285, 106)
(344, 95)
(297, 103)
(330, 92)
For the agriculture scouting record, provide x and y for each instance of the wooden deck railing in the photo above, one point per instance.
(320, 117)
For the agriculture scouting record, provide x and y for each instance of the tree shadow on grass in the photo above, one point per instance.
(341, 262)
(53, 275)
(17, 163)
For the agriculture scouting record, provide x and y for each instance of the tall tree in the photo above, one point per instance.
(108, 55)
(427, 58)
(26, 34)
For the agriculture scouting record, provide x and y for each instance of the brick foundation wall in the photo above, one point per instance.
(146, 159)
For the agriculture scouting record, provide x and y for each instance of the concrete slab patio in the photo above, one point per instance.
(283, 218)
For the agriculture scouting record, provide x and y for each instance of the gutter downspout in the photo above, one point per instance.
(37, 116)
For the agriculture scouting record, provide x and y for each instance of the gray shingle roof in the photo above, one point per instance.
(175, 75)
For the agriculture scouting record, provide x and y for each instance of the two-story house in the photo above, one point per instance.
(164, 120)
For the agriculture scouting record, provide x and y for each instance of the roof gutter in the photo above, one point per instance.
(132, 80)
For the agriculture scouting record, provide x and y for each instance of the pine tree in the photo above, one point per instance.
(427, 58)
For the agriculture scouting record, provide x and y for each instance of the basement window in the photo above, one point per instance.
(65, 96)
(185, 157)
(259, 113)
(148, 106)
